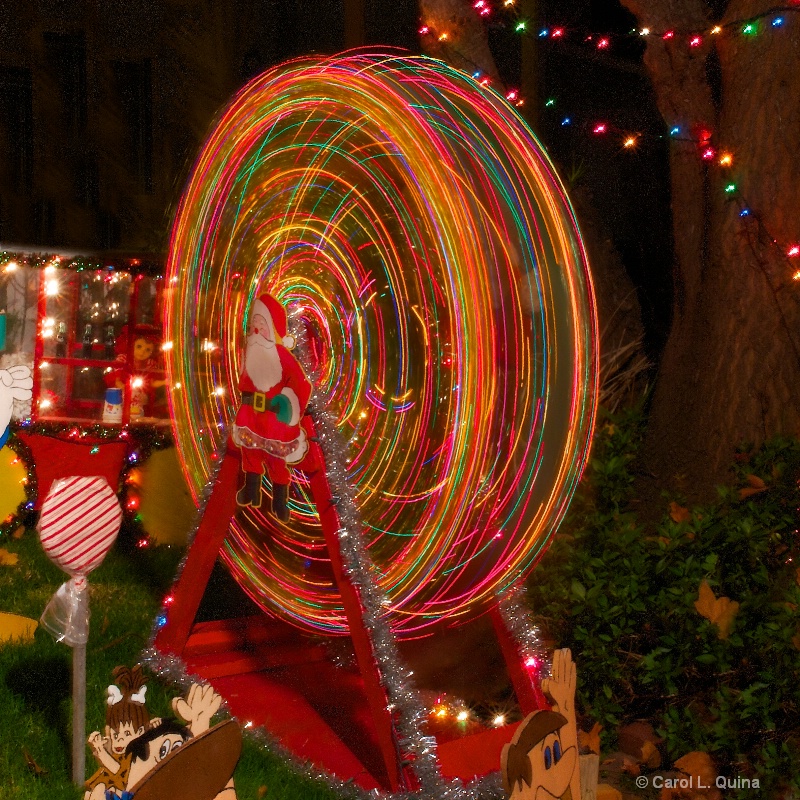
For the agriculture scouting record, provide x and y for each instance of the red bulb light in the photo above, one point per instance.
(602, 44)
(600, 128)
(708, 153)
(669, 35)
(696, 41)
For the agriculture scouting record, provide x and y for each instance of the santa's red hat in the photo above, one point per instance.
(268, 306)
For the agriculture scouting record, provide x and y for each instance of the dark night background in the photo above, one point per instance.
(103, 107)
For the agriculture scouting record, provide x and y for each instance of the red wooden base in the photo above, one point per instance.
(275, 677)
(271, 675)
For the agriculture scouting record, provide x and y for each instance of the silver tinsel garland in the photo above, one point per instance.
(519, 622)
(360, 570)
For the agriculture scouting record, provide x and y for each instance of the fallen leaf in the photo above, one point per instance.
(796, 641)
(590, 740)
(15, 628)
(630, 765)
(32, 765)
(674, 793)
(679, 513)
(721, 611)
(651, 757)
(262, 791)
(754, 486)
(8, 559)
(639, 740)
(699, 767)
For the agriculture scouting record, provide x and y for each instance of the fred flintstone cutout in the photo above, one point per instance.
(541, 761)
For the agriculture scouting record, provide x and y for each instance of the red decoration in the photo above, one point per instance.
(55, 458)
(272, 676)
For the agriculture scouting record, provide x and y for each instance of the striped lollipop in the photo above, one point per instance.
(79, 522)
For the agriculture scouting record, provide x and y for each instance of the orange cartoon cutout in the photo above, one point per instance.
(541, 761)
(126, 719)
(194, 761)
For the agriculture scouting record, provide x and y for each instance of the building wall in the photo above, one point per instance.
(104, 104)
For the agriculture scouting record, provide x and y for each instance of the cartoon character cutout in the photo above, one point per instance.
(275, 393)
(16, 383)
(127, 718)
(541, 761)
(196, 760)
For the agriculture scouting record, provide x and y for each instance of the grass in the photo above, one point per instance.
(35, 678)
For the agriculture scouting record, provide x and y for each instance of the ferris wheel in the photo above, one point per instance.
(439, 292)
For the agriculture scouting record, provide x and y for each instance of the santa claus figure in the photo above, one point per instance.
(275, 394)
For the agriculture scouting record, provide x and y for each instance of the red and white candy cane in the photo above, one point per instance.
(79, 522)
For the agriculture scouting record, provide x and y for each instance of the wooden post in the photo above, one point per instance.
(376, 694)
(590, 771)
(191, 585)
(526, 685)
(79, 714)
(354, 35)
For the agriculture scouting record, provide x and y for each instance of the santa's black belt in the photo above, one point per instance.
(256, 399)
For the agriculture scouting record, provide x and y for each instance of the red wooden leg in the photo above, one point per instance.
(525, 680)
(376, 694)
(190, 587)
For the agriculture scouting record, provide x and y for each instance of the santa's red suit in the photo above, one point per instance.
(275, 393)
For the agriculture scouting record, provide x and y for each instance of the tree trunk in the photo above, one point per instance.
(731, 367)
(466, 46)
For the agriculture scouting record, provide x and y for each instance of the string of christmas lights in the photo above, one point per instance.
(698, 137)
(422, 243)
(771, 19)
(12, 260)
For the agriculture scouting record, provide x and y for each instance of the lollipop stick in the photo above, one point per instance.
(78, 713)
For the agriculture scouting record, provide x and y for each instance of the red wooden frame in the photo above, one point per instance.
(274, 676)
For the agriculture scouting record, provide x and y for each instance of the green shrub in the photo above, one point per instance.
(622, 597)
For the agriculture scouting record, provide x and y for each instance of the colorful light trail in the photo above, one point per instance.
(432, 266)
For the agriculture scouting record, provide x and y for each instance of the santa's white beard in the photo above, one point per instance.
(262, 364)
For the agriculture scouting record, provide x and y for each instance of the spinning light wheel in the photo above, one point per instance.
(430, 261)
(433, 271)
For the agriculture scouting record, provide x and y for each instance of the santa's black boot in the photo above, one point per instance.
(250, 493)
(280, 498)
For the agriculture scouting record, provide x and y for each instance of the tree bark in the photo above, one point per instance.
(731, 367)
